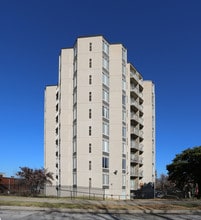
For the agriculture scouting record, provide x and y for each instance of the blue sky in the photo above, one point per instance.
(163, 39)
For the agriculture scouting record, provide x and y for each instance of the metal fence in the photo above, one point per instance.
(82, 192)
(15, 189)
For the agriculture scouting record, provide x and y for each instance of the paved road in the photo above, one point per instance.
(56, 215)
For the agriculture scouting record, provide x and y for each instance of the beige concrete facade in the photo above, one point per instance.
(149, 132)
(95, 135)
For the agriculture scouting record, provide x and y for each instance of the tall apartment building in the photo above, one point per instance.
(99, 122)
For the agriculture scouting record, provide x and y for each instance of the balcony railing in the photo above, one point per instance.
(136, 145)
(140, 120)
(136, 131)
(136, 172)
(135, 76)
(141, 146)
(134, 102)
(136, 159)
(134, 89)
(140, 94)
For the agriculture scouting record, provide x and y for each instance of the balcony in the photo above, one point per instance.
(141, 133)
(134, 75)
(134, 102)
(141, 146)
(140, 94)
(134, 145)
(140, 120)
(136, 172)
(136, 131)
(134, 117)
(134, 89)
(136, 159)
(140, 173)
(140, 107)
(137, 146)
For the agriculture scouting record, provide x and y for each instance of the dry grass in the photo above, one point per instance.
(100, 205)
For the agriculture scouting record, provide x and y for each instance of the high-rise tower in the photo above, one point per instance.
(95, 118)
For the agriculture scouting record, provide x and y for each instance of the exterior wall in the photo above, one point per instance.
(49, 130)
(65, 114)
(149, 132)
(116, 108)
(78, 113)
(86, 176)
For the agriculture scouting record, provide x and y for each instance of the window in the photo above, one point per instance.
(74, 179)
(105, 112)
(106, 63)
(74, 145)
(123, 148)
(123, 69)
(132, 184)
(89, 165)
(75, 81)
(57, 131)
(105, 79)
(124, 116)
(75, 65)
(105, 162)
(123, 164)
(57, 108)
(123, 84)
(74, 162)
(123, 99)
(90, 148)
(57, 119)
(106, 47)
(74, 97)
(74, 129)
(90, 79)
(90, 63)
(56, 165)
(89, 113)
(124, 55)
(90, 46)
(90, 96)
(57, 95)
(105, 179)
(105, 95)
(90, 182)
(105, 128)
(124, 132)
(105, 146)
(124, 180)
(89, 130)
(74, 113)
